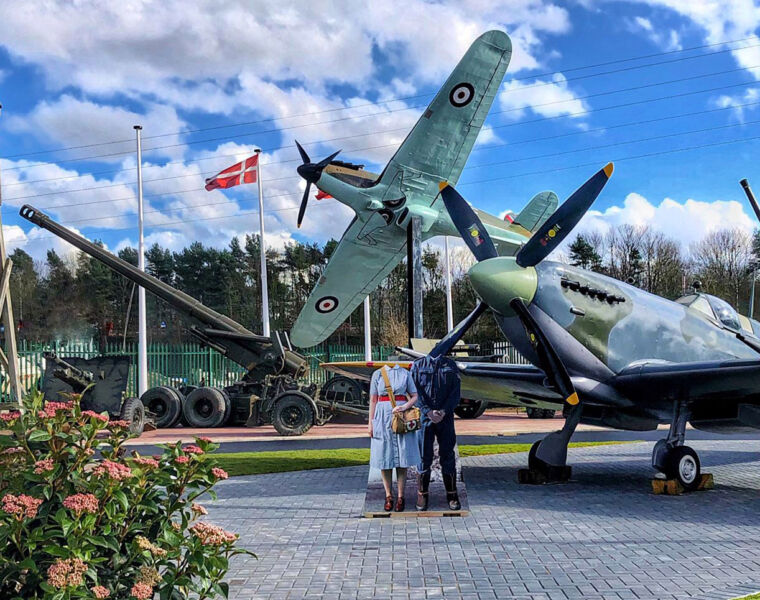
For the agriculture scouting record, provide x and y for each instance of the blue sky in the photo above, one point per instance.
(83, 75)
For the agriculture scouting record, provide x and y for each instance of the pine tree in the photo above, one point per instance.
(582, 254)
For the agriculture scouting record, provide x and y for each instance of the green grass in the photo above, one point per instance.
(258, 463)
(751, 597)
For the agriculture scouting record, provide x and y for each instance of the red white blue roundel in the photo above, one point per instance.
(462, 94)
(326, 304)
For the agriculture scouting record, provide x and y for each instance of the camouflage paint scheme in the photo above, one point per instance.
(435, 150)
(631, 356)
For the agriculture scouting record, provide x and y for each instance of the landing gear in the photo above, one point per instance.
(674, 459)
(547, 459)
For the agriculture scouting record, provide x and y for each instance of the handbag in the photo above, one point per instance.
(402, 422)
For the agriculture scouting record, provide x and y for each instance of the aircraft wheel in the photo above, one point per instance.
(471, 410)
(133, 411)
(683, 464)
(292, 414)
(205, 407)
(165, 403)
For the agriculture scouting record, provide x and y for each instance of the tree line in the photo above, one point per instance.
(76, 297)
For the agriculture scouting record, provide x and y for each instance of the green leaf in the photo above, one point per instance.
(39, 436)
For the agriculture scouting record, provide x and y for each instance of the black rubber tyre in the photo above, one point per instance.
(165, 403)
(205, 407)
(471, 410)
(292, 414)
(185, 390)
(133, 411)
(533, 413)
(548, 413)
(227, 407)
(534, 464)
(342, 390)
(683, 464)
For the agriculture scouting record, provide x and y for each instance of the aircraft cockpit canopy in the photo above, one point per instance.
(721, 311)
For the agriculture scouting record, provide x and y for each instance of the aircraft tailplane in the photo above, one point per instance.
(535, 213)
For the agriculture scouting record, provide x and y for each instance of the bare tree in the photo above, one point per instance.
(721, 261)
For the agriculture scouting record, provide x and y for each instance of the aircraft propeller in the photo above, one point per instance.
(311, 172)
(556, 228)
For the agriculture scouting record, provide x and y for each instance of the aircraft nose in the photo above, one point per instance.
(497, 281)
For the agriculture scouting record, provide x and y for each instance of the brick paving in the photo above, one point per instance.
(601, 536)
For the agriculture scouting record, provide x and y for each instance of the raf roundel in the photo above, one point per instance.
(462, 94)
(327, 304)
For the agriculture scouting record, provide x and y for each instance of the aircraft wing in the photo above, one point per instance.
(734, 380)
(367, 252)
(438, 146)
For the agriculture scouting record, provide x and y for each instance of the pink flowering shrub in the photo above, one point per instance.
(79, 518)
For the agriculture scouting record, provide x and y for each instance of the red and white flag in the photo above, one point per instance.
(243, 172)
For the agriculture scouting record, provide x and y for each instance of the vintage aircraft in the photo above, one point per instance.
(612, 354)
(434, 151)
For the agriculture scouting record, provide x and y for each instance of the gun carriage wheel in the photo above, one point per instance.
(471, 409)
(293, 413)
(205, 407)
(166, 403)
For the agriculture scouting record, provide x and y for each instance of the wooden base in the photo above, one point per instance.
(551, 475)
(672, 487)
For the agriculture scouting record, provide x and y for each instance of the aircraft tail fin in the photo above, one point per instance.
(540, 208)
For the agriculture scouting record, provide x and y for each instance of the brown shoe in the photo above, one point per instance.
(400, 504)
(388, 504)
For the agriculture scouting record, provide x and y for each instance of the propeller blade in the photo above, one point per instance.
(561, 223)
(551, 363)
(304, 202)
(751, 197)
(468, 224)
(304, 157)
(323, 163)
(452, 337)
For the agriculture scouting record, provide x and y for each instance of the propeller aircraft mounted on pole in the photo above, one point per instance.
(610, 354)
(435, 150)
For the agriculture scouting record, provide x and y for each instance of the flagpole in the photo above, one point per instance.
(142, 328)
(449, 307)
(263, 250)
(367, 332)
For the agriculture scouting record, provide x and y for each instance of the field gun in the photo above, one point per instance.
(269, 391)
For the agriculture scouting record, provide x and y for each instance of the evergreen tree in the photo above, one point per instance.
(582, 254)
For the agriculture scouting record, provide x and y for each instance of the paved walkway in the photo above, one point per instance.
(602, 536)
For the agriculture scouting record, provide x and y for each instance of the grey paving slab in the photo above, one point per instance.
(602, 535)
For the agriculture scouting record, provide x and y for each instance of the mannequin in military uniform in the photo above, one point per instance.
(438, 387)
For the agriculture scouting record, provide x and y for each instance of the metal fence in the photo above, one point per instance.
(191, 364)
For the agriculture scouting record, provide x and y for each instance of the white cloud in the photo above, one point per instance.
(548, 98)
(69, 121)
(667, 39)
(750, 96)
(723, 20)
(686, 222)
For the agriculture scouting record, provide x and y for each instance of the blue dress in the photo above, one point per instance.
(389, 450)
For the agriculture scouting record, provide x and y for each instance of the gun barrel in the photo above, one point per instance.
(183, 302)
(751, 197)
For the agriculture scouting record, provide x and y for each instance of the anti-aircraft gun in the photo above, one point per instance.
(102, 383)
(269, 392)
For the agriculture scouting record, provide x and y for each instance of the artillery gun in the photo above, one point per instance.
(269, 392)
(102, 383)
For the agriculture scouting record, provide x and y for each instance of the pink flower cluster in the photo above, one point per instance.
(81, 503)
(66, 572)
(141, 591)
(51, 408)
(219, 473)
(21, 506)
(43, 466)
(182, 460)
(145, 461)
(100, 592)
(120, 423)
(192, 449)
(208, 440)
(211, 535)
(93, 415)
(114, 470)
(198, 509)
(8, 417)
(14, 450)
